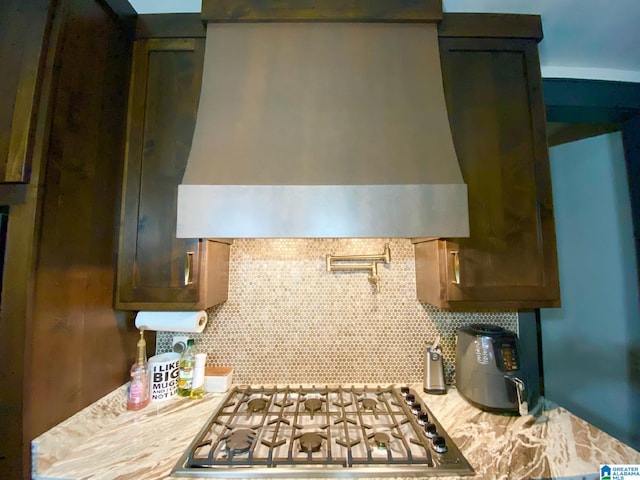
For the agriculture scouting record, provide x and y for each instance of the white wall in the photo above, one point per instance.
(588, 343)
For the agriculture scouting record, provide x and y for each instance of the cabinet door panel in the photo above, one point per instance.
(492, 88)
(498, 167)
(156, 269)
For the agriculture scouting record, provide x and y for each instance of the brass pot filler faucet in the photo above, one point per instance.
(367, 263)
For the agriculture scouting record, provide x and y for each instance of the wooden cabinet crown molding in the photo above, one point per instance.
(491, 25)
(322, 11)
(172, 25)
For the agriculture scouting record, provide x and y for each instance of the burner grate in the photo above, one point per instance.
(287, 432)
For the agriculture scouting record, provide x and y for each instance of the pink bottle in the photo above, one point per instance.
(138, 396)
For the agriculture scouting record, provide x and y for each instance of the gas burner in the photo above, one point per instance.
(257, 405)
(240, 441)
(310, 442)
(369, 404)
(313, 405)
(381, 440)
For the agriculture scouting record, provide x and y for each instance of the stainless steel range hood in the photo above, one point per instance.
(322, 130)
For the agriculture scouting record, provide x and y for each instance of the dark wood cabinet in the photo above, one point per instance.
(63, 83)
(156, 270)
(493, 93)
(23, 36)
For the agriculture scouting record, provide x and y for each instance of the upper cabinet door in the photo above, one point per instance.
(23, 26)
(496, 111)
(156, 270)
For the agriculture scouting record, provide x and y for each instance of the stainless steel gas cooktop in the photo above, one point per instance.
(299, 432)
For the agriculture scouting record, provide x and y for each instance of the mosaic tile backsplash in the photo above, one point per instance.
(289, 321)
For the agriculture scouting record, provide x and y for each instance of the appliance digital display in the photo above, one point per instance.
(507, 358)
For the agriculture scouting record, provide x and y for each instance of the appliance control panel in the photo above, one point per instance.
(507, 355)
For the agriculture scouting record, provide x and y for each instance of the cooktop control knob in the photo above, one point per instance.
(404, 391)
(416, 408)
(430, 430)
(439, 444)
(410, 399)
(423, 418)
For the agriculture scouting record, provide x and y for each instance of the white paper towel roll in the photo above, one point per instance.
(172, 321)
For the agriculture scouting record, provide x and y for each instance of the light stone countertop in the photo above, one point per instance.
(105, 441)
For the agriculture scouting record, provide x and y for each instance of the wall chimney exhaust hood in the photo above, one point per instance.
(311, 130)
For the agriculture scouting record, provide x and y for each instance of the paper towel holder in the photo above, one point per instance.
(173, 321)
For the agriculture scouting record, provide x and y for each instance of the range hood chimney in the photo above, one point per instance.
(311, 130)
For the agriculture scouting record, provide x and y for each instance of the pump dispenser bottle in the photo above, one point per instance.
(138, 396)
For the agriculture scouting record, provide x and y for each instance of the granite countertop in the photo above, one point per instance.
(105, 441)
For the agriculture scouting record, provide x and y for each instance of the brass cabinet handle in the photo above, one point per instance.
(456, 267)
(188, 269)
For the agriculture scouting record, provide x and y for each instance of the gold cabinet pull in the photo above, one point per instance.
(456, 267)
(188, 269)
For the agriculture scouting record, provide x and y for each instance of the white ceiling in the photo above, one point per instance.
(595, 39)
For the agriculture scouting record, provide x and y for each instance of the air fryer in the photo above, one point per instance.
(489, 371)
